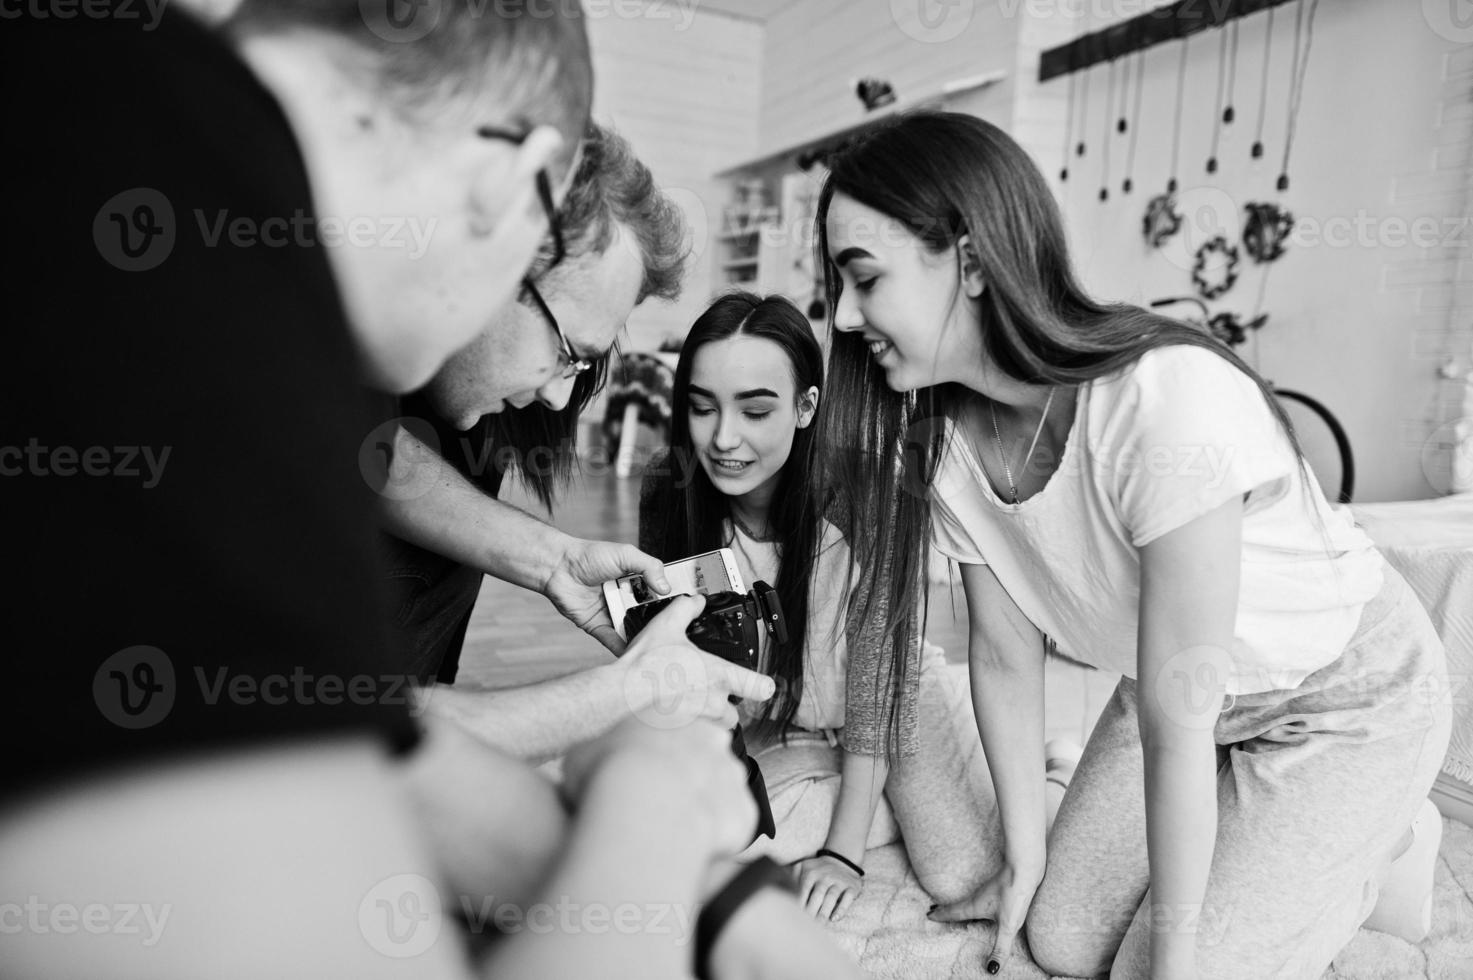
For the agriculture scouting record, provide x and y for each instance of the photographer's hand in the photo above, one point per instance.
(575, 584)
(669, 682)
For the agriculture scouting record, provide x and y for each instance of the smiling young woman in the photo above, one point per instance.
(1242, 611)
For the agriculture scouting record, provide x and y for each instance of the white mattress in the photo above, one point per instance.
(1431, 543)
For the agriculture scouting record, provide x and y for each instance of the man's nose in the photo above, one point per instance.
(556, 393)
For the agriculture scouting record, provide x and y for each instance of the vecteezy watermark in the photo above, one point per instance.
(1207, 923)
(35, 459)
(136, 230)
(401, 459)
(1450, 19)
(302, 230)
(1365, 230)
(401, 916)
(66, 918)
(139, 686)
(1191, 686)
(148, 11)
(134, 688)
(932, 21)
(407, 21)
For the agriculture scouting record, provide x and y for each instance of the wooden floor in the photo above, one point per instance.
(516, 637)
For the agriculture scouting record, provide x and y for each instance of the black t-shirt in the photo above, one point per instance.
(431, 597)
(182, 435)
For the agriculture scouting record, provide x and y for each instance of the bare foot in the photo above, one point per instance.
(1404, 909)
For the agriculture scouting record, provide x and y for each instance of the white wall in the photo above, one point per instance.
(682, 86)
(1360, 321)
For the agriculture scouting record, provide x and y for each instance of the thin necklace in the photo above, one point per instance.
(746, 530)
(997, 435)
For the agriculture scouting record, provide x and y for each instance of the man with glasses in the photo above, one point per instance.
(514, 395)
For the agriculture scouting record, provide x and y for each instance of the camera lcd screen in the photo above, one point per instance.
(703, 573)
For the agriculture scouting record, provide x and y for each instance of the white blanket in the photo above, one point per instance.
(1431, 543)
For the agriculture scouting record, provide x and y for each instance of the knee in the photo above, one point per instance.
(1069, 940)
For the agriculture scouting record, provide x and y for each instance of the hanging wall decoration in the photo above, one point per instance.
(1216, 268)
(1231, 330)
(1227, 74)
(1105, 140)
(1068, 126)
(1266, 229)
(1268, 46)
(1135, 125)
(1162, 219)
(1296, 82)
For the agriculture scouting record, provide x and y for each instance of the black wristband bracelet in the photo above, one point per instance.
(715, 914)
(824, 852)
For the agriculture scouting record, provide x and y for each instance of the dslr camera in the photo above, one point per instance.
(731, 627)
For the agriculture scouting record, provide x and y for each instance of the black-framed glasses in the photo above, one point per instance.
(544, 190)
(573, 365)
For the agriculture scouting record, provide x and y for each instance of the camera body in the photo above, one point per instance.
(731, 625)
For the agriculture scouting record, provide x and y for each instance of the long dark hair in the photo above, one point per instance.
(695, 511)
(945, 175)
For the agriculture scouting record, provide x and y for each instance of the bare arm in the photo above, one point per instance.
(827, 887)
(1006, 657)
(1188, 605)
(455, 518)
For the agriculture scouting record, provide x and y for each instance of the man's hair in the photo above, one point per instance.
(610, 189)
(505, 60)
(613, 188)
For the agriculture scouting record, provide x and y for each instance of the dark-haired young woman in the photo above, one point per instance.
(1120, 487)
(738, 475)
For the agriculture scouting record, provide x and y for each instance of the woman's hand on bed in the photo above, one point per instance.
(826, 887)
(1003, 899)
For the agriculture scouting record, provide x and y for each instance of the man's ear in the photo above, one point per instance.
(972, 280)
(807, 407)
(504, 173)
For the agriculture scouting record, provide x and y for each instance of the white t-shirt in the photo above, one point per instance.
(1162, 442)
(825, 656)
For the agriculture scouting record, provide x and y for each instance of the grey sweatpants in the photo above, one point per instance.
(1315, 787)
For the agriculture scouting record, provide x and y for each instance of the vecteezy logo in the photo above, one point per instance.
(400, 916)
(932, 21)
(400, 21)
(134, 688)
(397, 467)
(1191, 685)
(134, 231)
(667, 696)
(1452, 19)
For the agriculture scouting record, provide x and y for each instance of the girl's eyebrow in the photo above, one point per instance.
(752, 393)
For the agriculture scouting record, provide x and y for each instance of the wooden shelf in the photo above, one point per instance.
(950, 89)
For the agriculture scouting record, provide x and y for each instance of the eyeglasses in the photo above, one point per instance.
(544, 190)
(573, 365)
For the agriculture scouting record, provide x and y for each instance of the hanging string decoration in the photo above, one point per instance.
(1266, 229)
(1120, 123)
(1217, 111)
(1216, 268)
(1068, 124)
(1268, 45)
(1231, 330)
(1162, 219)
(1135, 126)
(1296, 90)
(1105, 140)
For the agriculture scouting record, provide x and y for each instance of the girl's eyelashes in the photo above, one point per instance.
(865, 285)
(701, 410)
(757, 416)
